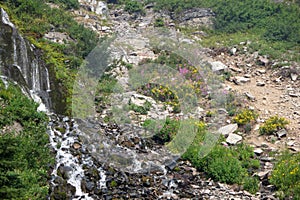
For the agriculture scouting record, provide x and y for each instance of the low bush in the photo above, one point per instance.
(286, 175)
(245, 119)
(251, 184)
(272, 125)
(245, 116)
(163, 130)
(224, 164)
(133, 6)
(143, 110)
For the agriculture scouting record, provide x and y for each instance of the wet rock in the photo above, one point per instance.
(228, 129)
(87, 186)
(233, 138)
(76, 145)
(64, 171)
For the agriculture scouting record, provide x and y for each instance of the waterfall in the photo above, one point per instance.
(20, 63)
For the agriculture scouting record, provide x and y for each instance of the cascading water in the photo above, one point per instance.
(71, 160)
(20, 62)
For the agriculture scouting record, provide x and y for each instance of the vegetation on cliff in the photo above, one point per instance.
(35, 18)
(24, 155)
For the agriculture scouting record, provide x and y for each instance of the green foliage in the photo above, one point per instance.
(106, 85)
(163, 130)
(143, 110)
(69, 4)
(232, 102)
(286, 175)
(159, 22)
(272, 125)
(245, 116)
(133, 6)
(251, 184)
(225, 164)
(274, 27)
(245, 119)
(24, 159)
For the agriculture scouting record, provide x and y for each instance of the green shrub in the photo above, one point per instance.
(163, 130)
(225, 164)
(286, 175)
(245, 119)
(143, 110)
(251, 184)
(272, 125)
(159, 22)
(133, 6)
(24, 157)
(245, 116)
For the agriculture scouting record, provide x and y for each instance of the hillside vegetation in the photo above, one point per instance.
(273, 28)
(24, 155)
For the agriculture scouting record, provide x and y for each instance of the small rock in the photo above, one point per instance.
(294, 76)
(281, 133)
(233, 51)
(258, 151)
(239, 79)
(260, 83)
(76, 145)
(265, 61)
(233, 139)
(261, 71)
(263, 175)
(294, 95)
(236, 69)
(250, 96)
(247, 75)
(267, 159)
(291, 143)
(66, 119)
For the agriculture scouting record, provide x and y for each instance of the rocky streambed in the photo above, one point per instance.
(79, 174)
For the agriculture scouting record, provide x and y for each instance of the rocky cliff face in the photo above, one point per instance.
(21, 62)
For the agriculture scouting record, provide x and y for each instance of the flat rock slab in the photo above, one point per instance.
(226, 130)
(233, 139)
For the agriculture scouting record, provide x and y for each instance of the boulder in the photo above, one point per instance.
(233, 139)
(228, 129)
(218, 66)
